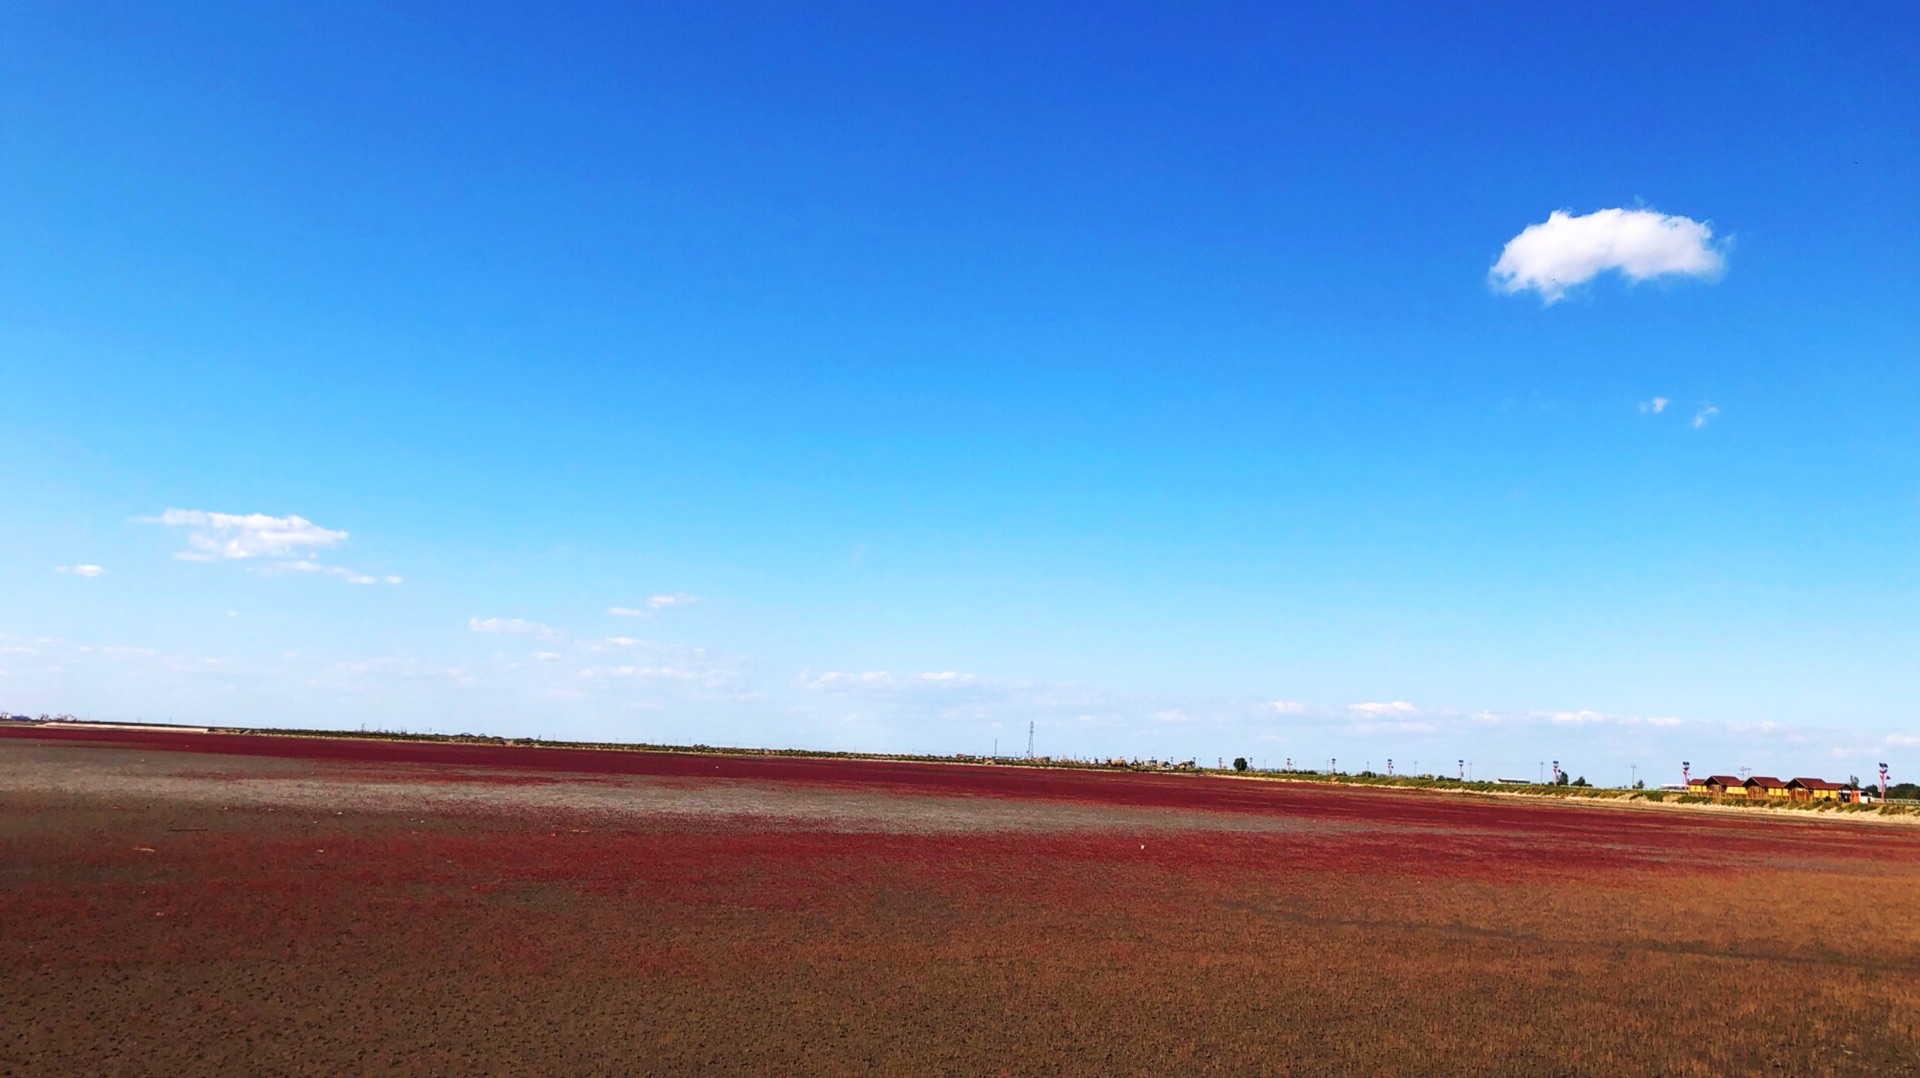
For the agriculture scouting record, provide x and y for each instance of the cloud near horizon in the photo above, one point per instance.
(246, 535)
(88, 571)
(1566, 251)
(291, 541)
(1394, 707)
(654, 602)
(512, 627)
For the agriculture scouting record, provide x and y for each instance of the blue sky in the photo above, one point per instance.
(913, 374)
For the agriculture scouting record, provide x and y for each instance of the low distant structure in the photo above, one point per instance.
(1817, 790)
(1766, 788)
(1716, 785)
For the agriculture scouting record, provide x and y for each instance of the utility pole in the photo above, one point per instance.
(1029, 739)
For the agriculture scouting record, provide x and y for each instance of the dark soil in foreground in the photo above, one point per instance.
(227, 912)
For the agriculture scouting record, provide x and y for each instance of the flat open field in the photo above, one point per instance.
(177, 903)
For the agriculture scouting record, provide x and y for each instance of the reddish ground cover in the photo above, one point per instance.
(1428, 934)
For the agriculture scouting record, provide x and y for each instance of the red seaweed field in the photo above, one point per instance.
(179, 903)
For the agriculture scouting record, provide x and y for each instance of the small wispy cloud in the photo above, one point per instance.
(88, 571)
(336, 571)
(887, 681)
(246, 535)
(512, 627)
(1568, 250)
(1704, 416)
(1654, 406)
(288, 542)
(1289, 707)
(1392, 707)
(654, 602)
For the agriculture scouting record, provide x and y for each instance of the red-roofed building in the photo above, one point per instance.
(1766, 786)
(1816, 790)
(1715, 785)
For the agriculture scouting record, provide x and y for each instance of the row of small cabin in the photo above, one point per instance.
(1766, 787)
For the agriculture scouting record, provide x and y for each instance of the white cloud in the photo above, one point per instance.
(512, 626)
(88, 571)
(289, 539)
(1395, 707)
(1578, 717)
(1289, 707)
(1704, 416)
(834, 679)
(1903, 740)
(654, 602)
(1566, 251)
(246, 535)
(1654, 406)
(641, 672)
(337, 571)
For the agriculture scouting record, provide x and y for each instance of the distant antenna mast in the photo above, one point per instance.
(1686, 773)
(1463, 771)
(1389, 765)
(1883, 782)
(1029, 739)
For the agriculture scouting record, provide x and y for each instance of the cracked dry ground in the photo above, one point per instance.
(231, 904)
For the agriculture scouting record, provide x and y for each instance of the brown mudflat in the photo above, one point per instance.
(264, 905)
